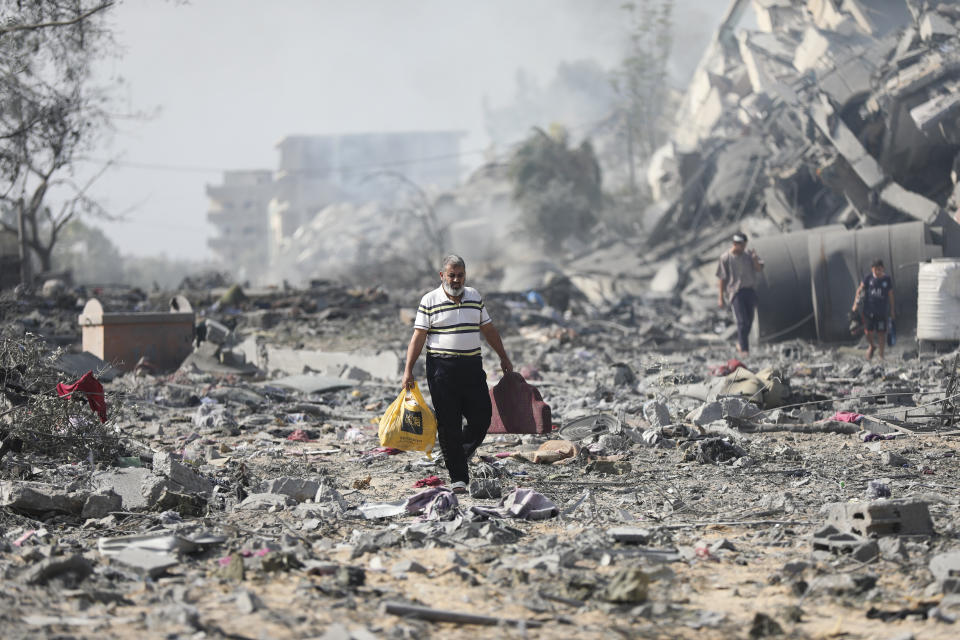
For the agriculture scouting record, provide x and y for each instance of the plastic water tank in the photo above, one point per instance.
(938, 300)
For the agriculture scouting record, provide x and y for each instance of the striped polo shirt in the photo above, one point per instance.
(453, 329)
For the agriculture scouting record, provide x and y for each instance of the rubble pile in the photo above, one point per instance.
(822, 115)
(678, 493)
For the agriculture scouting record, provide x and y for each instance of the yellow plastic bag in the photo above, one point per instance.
(408, 423)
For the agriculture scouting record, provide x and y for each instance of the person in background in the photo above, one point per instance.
(876, 290)
(737, 274)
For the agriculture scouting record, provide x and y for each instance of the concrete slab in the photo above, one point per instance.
(881, 517)
(166, 464)
(77, 364)
(309, 383)
(300, 489)
(138, 488)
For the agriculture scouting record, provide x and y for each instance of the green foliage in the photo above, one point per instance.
(558, 188)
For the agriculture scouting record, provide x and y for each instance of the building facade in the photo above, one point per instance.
(239, 211)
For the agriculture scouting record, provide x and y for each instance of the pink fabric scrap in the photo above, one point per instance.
(299, 436)
(26, 536)
(847, 416)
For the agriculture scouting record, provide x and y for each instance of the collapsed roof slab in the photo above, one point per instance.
(912, 204)
(767, 60)
(933, 26)
(777, 15)
(846, 143)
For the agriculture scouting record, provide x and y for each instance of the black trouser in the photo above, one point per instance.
(458, 387)
(744, 304)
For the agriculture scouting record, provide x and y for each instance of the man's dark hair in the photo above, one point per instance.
(877, 263)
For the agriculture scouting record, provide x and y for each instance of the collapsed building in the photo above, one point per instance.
(828, 120)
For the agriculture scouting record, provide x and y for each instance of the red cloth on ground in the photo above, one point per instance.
(726, 369)
(429, 481)
(91, 389)
(299, 436)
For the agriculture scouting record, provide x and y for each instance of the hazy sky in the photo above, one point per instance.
(227, 79)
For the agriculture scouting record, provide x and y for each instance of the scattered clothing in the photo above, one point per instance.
(726, 369)
(429, 481)
(847, 416)
(299, 436)
(91, 388)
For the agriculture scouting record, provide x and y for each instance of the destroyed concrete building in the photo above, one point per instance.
(829, 113)
(238, 208)
(258, 213)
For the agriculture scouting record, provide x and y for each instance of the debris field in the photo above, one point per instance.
(806, 493)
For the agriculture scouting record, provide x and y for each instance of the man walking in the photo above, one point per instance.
(876, 289)
(450, 320)
(737, 278)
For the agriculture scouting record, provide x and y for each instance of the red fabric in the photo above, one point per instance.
(299, 436)
(429, 481)
(518, 407)
(91, 388)
(726, 369)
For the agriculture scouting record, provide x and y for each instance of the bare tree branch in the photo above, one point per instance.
(106, 4)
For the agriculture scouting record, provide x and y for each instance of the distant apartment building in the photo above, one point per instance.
(317, 171)
(238, 209)
(255, 211)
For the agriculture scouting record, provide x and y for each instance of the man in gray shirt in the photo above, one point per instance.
(737, 274)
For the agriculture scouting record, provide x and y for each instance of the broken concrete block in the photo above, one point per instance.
(739, 408)
(166, 464)
(144, 562)
(867, 551)
(893, 549)
(881, 517)
(265, 502)
(831, 539)
(891, 459)
(101, 504)
(137, 487)
(706, 413)
(629, 534)
(945, 568)
(300, 489)
(656, 413)
(38, 498)
(188, 505)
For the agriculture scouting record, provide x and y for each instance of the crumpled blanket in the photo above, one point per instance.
(523, 504)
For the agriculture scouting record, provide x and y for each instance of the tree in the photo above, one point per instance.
(558, 188)
(50, 112)
(642, 80)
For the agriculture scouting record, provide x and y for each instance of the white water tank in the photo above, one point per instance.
(938, 300)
